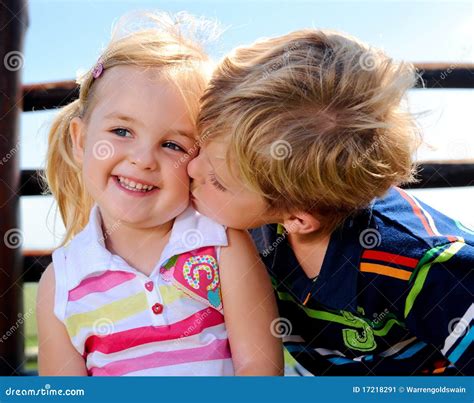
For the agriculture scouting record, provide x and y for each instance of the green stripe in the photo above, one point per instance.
(330, 317)
(422, 273)
(427, 257)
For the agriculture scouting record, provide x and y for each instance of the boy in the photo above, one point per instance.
(309, 130)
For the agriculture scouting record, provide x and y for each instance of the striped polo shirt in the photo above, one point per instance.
(394, 295)
(126, 323)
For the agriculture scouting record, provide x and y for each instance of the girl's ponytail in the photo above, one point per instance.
(63, 174)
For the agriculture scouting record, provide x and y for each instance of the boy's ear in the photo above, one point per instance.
(301, 223)
(77, 133)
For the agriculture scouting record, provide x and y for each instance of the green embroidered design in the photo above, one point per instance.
(362, 341)
(363, 337)
(171, 262)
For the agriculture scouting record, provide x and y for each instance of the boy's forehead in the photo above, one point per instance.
(216, 148)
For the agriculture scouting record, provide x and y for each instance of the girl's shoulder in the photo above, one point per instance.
(192, 228)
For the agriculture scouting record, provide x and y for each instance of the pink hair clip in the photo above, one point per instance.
(98, 70)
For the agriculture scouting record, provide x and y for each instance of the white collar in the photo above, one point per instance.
(190, 231)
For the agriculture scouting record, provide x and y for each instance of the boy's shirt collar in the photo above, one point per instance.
(340, 268)
(190, 231)
(336, 285)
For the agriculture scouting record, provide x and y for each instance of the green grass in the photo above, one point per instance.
(31, 333)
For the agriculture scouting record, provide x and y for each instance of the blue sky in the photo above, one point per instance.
(66, 36)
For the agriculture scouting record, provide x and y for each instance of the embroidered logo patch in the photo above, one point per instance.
(197, 274)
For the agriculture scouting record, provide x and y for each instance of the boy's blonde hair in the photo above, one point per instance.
(159, 43)
(315, 121)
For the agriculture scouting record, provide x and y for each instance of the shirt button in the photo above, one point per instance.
(157, 308)
(149, 286)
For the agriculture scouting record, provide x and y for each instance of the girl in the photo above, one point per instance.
(139, 283)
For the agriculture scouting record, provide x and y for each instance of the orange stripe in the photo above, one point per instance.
(439, 370)
(417, 211)
(390, 258)
(385, 270)
(307, 298)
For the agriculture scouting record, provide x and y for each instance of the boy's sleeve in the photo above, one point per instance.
(439, 307)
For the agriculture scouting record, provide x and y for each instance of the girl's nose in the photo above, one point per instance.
(144, 158)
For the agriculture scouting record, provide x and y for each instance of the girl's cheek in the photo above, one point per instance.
(176, 165)
(182, 172)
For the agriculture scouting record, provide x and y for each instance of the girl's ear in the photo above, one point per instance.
(77, 133)
(301, 223)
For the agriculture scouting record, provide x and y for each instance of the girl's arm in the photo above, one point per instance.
(249, 308)
(56, 355)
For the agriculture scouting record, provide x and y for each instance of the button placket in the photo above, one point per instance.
(155, 301)
(157, 308)
(149, 286)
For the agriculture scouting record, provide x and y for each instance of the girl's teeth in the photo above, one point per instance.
(131, 185)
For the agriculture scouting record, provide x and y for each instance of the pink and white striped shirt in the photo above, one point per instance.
(126, 323)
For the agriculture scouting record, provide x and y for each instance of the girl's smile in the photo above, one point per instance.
(135, 187)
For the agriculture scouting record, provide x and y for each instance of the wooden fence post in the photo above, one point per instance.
(13, 24)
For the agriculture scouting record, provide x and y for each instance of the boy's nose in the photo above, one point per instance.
(194, 168)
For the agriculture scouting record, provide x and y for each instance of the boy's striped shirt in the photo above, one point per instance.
(394, 295)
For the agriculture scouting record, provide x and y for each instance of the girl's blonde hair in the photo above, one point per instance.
(315, 122)
(161, 41)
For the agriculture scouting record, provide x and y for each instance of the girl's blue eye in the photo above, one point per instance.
(173, 146)
(121, 132)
